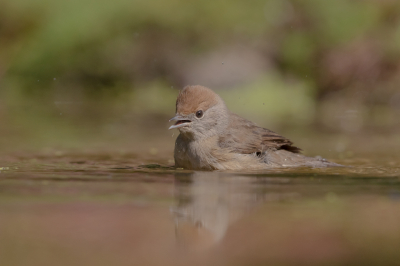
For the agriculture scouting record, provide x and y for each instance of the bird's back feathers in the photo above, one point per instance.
(245, 137)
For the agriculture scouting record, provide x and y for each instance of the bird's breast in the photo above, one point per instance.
(192, 154)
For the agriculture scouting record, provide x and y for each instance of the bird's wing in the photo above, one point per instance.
(243, 136)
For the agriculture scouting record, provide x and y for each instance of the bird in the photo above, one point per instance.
(213, 138)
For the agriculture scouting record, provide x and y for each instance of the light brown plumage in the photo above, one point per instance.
(250, 138)
(193, 98)
(213, 138)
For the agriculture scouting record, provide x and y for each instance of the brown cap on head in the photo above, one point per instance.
(194, 98)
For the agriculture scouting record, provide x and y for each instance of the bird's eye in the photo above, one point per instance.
(199, 114)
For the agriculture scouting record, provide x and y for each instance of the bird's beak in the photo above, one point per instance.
(181, 121)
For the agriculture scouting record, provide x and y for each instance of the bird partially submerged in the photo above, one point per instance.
(213, 138)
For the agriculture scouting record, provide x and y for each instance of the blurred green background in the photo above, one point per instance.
(85, 73)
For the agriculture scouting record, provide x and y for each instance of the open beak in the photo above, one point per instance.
(181, 121)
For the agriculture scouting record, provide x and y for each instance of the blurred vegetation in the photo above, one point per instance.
(77, 66)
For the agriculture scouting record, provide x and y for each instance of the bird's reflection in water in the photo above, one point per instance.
(208, 202)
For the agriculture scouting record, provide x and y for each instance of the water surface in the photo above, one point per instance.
(108, 209)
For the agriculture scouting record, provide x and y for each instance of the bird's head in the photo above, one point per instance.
(200, 112)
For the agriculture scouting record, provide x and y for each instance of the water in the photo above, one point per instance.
(82, 209)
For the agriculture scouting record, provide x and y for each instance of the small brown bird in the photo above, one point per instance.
(213, 138)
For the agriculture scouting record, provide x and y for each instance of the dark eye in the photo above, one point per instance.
(199, 114)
